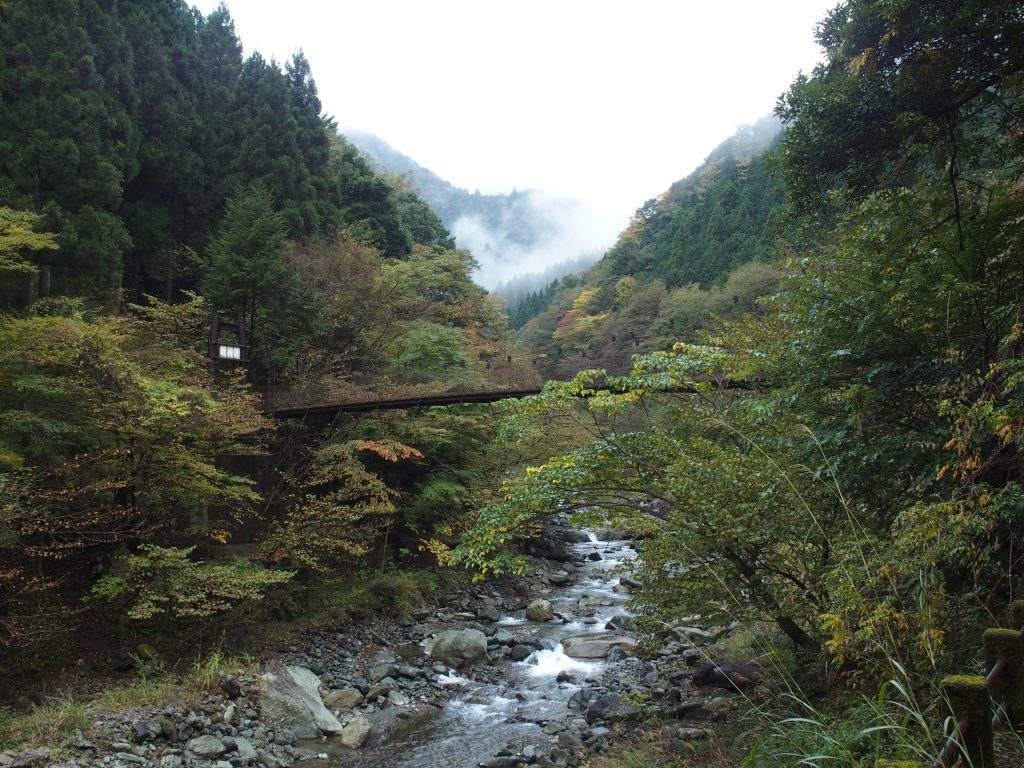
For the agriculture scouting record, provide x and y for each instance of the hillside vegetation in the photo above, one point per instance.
(803, 384)
(703, 247)
(151, 176)
(839, 469)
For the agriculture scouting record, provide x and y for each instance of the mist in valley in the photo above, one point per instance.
(561, 230)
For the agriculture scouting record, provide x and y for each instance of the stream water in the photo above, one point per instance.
(483, 718)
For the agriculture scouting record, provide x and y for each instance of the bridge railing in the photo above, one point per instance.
(979, 705)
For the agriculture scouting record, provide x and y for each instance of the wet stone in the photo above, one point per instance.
(488, 613)
(408, 671)
(520, 652)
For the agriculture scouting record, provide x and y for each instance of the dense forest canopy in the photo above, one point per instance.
(151, 176)
(126, 126)
(804, 384)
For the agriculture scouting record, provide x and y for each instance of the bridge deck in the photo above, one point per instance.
(401, 403)
(455, 398)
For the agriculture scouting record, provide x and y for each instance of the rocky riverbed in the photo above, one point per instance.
(539, 671)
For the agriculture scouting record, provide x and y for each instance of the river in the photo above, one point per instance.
(483, 718)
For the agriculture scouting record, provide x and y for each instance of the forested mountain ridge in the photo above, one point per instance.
(127, 125)
(508, 212)
(518, 235)
(724, 214)
(698, 248)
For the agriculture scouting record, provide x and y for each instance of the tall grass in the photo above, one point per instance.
(154, 686)
(46, 725)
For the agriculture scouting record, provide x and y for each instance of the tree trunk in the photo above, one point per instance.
(796, 634)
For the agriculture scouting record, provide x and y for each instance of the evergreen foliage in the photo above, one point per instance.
(141, 154)
(722, 215)
(128, 125)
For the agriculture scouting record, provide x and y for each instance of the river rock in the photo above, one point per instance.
(621, 622)
(615, 655)
(378, 672)
(291, 699)
(570, 742)
(378, 689)
(354, 734)
(145, 730)
(408, 671)
(596, 646)
(504, 637)
(31, 757)
(206, 747)
(244, 749)
(611, 708)
(345, 698)
(540, 610)
(520, 652)
(285, 737)
(488, 613)
(398, 699)
(735, 677)
(458, 647)
(582, 699)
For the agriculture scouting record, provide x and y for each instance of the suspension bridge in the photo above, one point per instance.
(510, 376)
(407, 402)
(399, 403)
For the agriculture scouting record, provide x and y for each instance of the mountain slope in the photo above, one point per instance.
(510, 235)
(698, 249)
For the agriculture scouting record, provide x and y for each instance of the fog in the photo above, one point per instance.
(563, 229)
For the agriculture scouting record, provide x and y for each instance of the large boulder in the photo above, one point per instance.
(290, 698)
(458, 647)
(596, 646)
(540, 610)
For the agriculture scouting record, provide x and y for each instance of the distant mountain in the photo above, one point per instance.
(512, 235)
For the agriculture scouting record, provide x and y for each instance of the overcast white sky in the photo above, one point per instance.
(609, 102)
